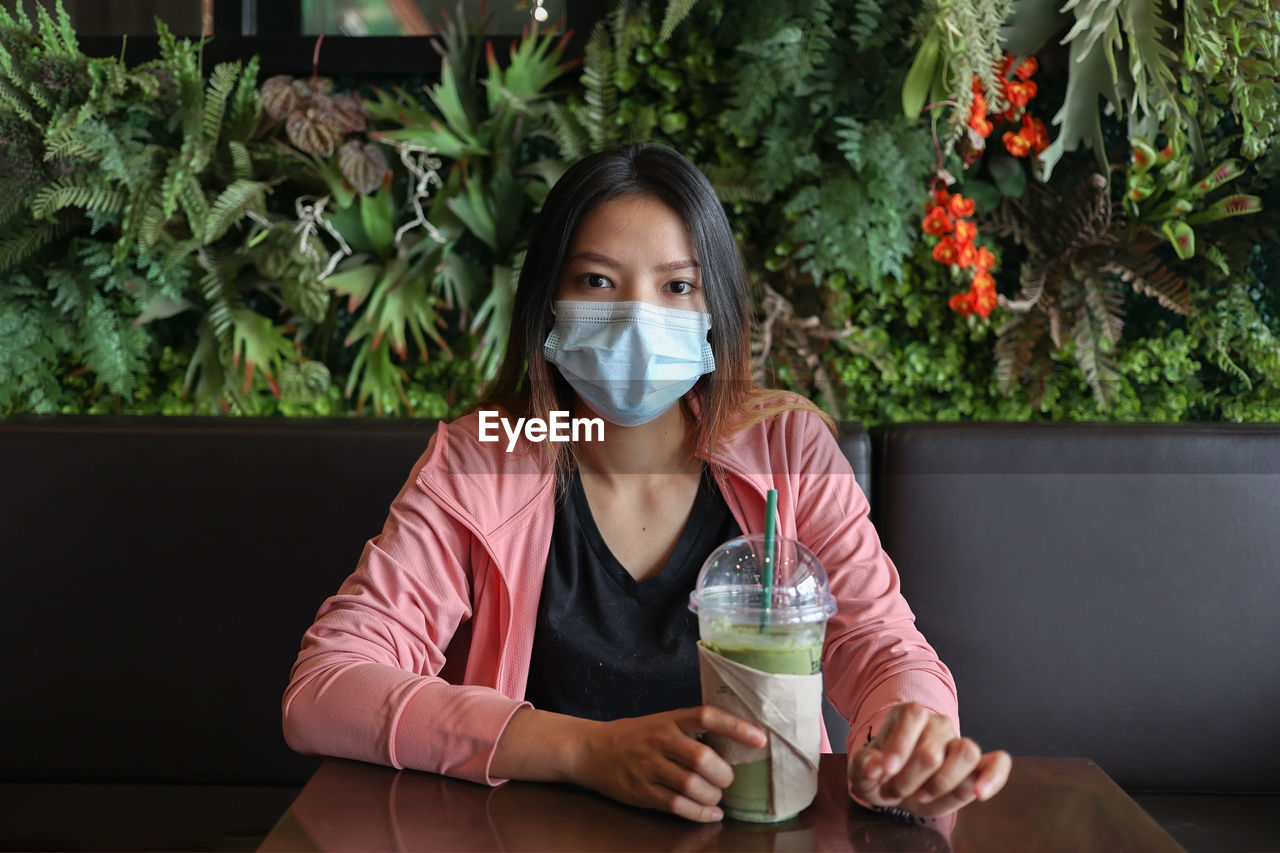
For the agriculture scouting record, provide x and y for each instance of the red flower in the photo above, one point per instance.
(982, 282)
(966, 255)
(1028, 67)
(959, 206)
(1020, 93)
(1033, 130)
(978, 116)
(965, 231)
(1017, 144)
(946, 252)
(984, 303)
(936, 223)
(938, 198)
(986, 260)
(961, 303)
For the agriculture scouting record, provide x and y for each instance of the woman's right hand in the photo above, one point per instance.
(654, 761)
(658, 762)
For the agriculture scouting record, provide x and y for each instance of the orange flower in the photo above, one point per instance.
(961, 303)
(983, 281)
(965, 231)
(959, 206)
(1020, 93)
(946, 251)
(936, 223)
(966, 255)
(1034, 131)
(1028, 67)
(981, 126)
(983, 302)
(986, 260)
(1018, 145)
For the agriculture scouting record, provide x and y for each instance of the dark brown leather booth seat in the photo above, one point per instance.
(160, 574)
(1109, 591)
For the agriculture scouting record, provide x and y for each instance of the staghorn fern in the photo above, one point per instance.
(1072, 285)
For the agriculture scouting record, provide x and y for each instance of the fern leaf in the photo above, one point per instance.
(245, 109)
(70, 193)
(65, 138)
(114, 349)
(194, 205)
(1022, 354)
(1150, 277)
(151, 224)
(221, 298)
(241, 162)
(677, 11)
(30, 240)
(12, 200)
(221, 84)
(18, 103)
(149, 85)
(601, 96)
(234, 202)
(131, 223)
(180, 251)
(571, 137)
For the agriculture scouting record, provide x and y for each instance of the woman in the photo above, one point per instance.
(522, 615)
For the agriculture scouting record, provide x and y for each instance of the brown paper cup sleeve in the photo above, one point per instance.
(787, 707)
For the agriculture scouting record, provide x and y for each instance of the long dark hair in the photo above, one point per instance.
(528, 386)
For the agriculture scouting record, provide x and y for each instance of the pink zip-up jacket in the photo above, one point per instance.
(421, 658)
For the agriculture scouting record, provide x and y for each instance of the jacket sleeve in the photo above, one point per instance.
(875, 657)
(366, 683)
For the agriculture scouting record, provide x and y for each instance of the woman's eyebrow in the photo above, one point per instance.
(605, 260)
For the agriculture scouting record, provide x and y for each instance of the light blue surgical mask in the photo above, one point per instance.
(630, 361)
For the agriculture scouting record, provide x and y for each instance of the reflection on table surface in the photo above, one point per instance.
(1049, 804)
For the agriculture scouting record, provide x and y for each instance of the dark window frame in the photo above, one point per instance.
(274, 25)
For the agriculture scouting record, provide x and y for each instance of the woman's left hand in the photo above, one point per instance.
(917, 762)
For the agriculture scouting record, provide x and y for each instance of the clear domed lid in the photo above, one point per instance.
(732, 582)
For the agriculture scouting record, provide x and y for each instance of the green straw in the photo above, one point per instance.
(770, 523)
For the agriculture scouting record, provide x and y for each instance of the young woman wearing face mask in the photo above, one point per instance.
(523, 614)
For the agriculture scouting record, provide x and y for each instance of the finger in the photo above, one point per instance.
(678, 804)
(708, 718)
(986, 780)
(954, 800)
(925, 759)
(992, 772)
(865, 773)
(701, 759)
(689, 783)
(961, 759)
(905, 729)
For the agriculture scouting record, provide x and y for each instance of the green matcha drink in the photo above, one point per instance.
(779, 633)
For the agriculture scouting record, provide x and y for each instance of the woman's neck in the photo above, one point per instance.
(663, 446)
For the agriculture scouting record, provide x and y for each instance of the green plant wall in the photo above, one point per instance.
(295, 247)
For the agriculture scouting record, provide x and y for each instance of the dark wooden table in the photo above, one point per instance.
(1049, 804)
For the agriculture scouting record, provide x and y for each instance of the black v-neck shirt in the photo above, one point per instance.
(607, 646)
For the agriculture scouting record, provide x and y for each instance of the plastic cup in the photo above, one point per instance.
(780, 632)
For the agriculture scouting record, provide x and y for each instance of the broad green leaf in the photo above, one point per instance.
(920, 77)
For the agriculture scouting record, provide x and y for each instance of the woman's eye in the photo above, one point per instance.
(595, 281)
(680, 288)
